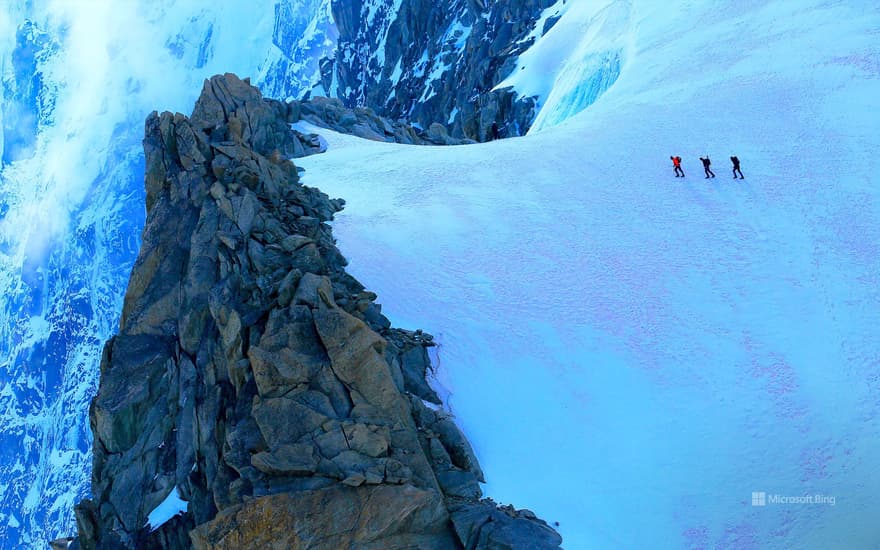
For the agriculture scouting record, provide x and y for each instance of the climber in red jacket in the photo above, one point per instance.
(676, 163)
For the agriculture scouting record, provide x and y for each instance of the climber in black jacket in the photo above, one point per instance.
(736, 169)
(706, 163)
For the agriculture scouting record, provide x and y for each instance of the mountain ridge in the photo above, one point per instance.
(256, 378)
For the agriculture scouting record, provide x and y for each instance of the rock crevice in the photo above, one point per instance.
(257, 378)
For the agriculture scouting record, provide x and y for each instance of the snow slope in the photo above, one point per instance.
(633, 355)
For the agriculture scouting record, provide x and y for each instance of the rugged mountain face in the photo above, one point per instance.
(423, 61)
(22, 88)
(304, 33)
(257, 380)
(435, 62)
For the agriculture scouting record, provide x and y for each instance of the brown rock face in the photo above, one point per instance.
(380, 517)
(259, 379)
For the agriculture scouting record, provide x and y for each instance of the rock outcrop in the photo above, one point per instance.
(256, 378)
(363, 122)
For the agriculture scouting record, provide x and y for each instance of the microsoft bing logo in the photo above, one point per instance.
(760, 498)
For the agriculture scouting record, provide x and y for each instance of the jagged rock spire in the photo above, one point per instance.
(255, 377)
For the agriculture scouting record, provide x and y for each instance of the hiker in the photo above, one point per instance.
(676, 164)
(706, 163)
(736, 169)
(495, 132)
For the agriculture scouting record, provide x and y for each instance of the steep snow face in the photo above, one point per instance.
(636, 355)
(78, 80)
(25, 94)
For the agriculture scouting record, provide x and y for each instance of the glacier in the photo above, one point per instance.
(570, 66)
(631, 355)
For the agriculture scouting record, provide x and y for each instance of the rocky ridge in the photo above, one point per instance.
(363, 122)
(255, 377)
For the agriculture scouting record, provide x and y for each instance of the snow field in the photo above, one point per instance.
(633, 355)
